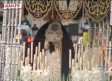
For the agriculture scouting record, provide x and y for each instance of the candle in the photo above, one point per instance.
(88, 65)
(26, 61)
(76, 66)
(70, 58)
(42, 66)
(37, 62)
(40, 58)
(80, 63)
(28, 54)
(83, 61)
(31, 52)
(21, 63)
(101, 58)
(24, 52)
(36, 50)
(34, 62)
(45, 61)
(75, 57)
(43, 56)
(34, 65)
(92, 62)
(39, 46)
(84, 55)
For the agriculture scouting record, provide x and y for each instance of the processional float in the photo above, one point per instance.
(10, 50)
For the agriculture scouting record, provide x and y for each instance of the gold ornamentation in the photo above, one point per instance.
(38, 9)
(67, 14)
(97, 10)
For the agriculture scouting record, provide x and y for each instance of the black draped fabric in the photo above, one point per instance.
(66, 45)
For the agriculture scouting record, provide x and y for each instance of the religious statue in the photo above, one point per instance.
(56, 41)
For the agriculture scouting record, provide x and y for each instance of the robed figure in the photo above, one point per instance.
(56, 41)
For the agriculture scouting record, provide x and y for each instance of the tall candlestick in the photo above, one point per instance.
(76, 66)
(39, 46)
(88, 65)
(28, 55)
(37, 62)
(93, 59)
(31, 52)
(21, 64)
(36, 50)
(70, 58)
(34, 65)
(40, 58)
(26, 61)
(34, 61)
(80, 63)
(45, 61)
(42, 66)
(43, 55)
(92, 62)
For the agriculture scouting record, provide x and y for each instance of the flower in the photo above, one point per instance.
(26, 73)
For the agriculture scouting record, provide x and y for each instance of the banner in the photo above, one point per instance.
(73, 5)
(68, 12)
(62, 5)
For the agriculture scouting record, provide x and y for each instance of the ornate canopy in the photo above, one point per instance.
(97, 9)
(61, 10)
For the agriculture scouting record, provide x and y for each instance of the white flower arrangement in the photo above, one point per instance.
(96, 74)
(27, 74)
(76, 76)
(84, 75)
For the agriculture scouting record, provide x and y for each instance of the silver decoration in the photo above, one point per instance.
(8, 65)
(12, 23)
(19, 24)
(15, 23)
